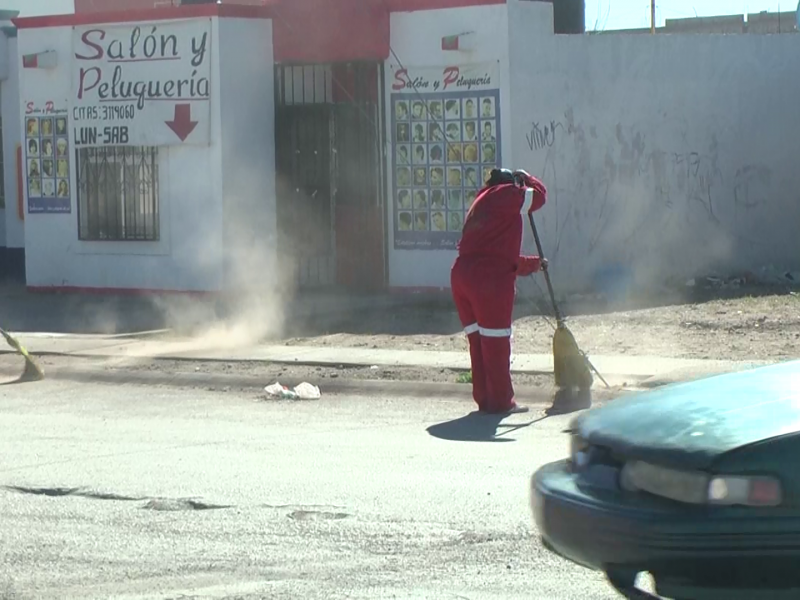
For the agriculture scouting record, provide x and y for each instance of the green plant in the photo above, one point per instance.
(464, 377)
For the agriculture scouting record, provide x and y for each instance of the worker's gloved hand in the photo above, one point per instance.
(529, 180)
(543, 264)
(539, 190)
(528, 265)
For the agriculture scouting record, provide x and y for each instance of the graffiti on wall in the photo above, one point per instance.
(445, 141)
(690, 176)
(639, 194)
(542, 135)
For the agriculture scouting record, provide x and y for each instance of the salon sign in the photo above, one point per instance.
(146, 84)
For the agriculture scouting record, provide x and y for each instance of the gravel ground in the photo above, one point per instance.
(757, 324)
(272, 372)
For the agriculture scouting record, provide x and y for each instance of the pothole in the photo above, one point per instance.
(159, 504)
(56, 492)
(52, 492)
(316, 515)
(167, 504)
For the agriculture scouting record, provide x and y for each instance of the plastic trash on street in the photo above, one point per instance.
(303, 391)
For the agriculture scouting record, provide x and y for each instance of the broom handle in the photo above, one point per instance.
(546, 273)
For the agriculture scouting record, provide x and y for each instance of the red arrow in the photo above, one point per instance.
(182, 123)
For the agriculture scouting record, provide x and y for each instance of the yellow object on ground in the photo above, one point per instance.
(32, 372)
(570, 366)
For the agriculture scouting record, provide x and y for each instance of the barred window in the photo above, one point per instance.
(118, 194)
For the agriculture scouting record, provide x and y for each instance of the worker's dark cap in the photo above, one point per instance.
(499, 177)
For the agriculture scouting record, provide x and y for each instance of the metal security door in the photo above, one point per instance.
(360, 183)
(330, 176)
(304, 207)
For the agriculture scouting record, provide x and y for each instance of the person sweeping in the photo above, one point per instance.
(483, 281)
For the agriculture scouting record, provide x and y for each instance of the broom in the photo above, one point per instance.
(32, 372)
(571, 366)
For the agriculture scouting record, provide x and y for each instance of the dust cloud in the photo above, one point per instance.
(629, 243)
(258, 279)
(258, 283)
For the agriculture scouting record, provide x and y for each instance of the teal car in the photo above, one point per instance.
(697, 484)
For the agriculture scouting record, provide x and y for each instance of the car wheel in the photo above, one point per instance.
(624, 581)
(624, 578)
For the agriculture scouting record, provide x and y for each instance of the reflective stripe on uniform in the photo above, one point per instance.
(470, 329)
(495, 332)
(528, 202)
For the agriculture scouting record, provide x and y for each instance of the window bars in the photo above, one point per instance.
(118, 194)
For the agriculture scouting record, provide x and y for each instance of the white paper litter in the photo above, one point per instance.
(303, 391)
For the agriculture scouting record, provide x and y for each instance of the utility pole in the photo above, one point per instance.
(652, 16)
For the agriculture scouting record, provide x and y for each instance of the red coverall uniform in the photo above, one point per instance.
(483, 281)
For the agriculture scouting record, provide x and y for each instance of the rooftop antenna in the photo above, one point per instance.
(652, 16)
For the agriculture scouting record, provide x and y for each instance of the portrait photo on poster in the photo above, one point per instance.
(47, 163)
(444, 147)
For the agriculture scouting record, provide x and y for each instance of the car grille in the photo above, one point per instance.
(598, 456)
(596, 467)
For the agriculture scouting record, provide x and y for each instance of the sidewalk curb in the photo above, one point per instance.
(149, 333)
(356, 387)
(637, 378)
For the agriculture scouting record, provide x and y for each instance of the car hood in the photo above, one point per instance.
(690, 425)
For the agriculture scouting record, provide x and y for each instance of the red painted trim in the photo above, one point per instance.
(324, 39)
(69, 289)
(417, 5)
(187, 11)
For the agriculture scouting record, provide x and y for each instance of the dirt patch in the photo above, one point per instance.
(757, 325)
(259, 374)
(270, 373)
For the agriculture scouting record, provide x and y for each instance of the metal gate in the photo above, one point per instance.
(330, 174)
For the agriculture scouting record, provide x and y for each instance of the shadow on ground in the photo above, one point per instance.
(481, 427)
(478, 427)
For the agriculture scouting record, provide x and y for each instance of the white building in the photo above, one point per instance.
(210, 147)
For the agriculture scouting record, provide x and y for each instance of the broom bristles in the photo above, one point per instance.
(569, 364)
(32, 372)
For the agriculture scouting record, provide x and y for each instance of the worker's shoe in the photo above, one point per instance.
(513, 410)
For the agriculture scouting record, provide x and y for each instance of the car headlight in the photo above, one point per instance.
(695, 487)
(684, 486)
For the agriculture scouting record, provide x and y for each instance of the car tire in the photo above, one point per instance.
(624, 582)
(621, 580)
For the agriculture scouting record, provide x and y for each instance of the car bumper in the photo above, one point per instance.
(606, 528)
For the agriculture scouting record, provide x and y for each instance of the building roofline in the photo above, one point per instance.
(167, 13)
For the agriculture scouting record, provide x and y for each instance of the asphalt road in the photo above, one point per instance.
(124, 491)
